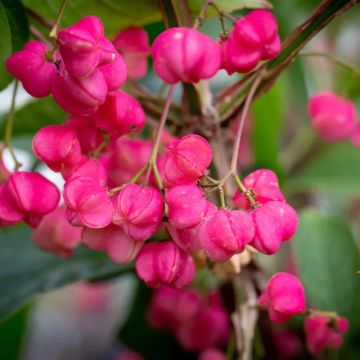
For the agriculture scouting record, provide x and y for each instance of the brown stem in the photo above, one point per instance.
(39, 35)
(55, 28)
(47, 23)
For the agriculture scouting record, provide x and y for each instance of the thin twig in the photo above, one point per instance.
(9, 127)
(55, 28)
(47, 23)
(37, 34)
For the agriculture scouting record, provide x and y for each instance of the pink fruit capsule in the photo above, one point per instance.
(225, 233)
(184, 54)
(133, 44)
(186, 160)
(31, 63)
(284, 297)
(322, 335)
(120, 114)
(79, 97)
(265, 185)
(275, 222)
(138, 210)
(333, 117)
(187, 206)
(82, 47)
(27, 196)
(56, 235)
(254, 38)
(164, 264)
(88, 203)
(212, 354)
(57, 146)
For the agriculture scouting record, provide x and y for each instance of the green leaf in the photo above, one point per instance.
(5, 47)
(26, 271)
(230, 5)
(268, 112)
(18, 22)
(336, 168)
(328, 258)
(34, 115)
(13, 333)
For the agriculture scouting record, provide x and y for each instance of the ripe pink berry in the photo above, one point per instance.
(212, 354)
(57, 146)
(27, 196)
(88, 168)
(133, 44)
(56, 235)
(88, 135)
(88, 203)
(254, 38)
(120, 114)
(264, 184)
(82, 47)
(288, 344)
(225, 233)
(214, 319)
(275, 222)
(128, 156)
(333, 117)
(321, 335)
(186, 160)
(79, 97)
(284, 296)
(187, 206)
(32, 68)
(170, 307)
(121, 248)
(188, 239)
(138, 210)
(115, 73)
(164, 264)
(184, 54)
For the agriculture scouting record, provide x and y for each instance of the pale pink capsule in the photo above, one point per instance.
(88, 135)
(56, 235)
(89, 168)
(88, 203)
(133, 44)
(186, 160)
(79, 97)
(188, 239)
(82, 47)
(265, 185)
(184, 54)
(138, 210)
(120, 114)
(57, 146)
(164, 263)
(284, 297)
(170, 307)
(225, 233)
(187, 206)
(33, 69)
(192, 336)
(254, 38)
(27, 196)
(212, 354)
(128, 156)
(321, 335)
(275, 222)
(333, 117)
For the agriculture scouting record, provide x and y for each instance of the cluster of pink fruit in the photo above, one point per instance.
(105, 207)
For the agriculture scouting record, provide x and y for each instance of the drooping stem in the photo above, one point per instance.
(55, 29)
(38, 35)
(244, 112)
(344, 64)
(161, 125)
(9, 127)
